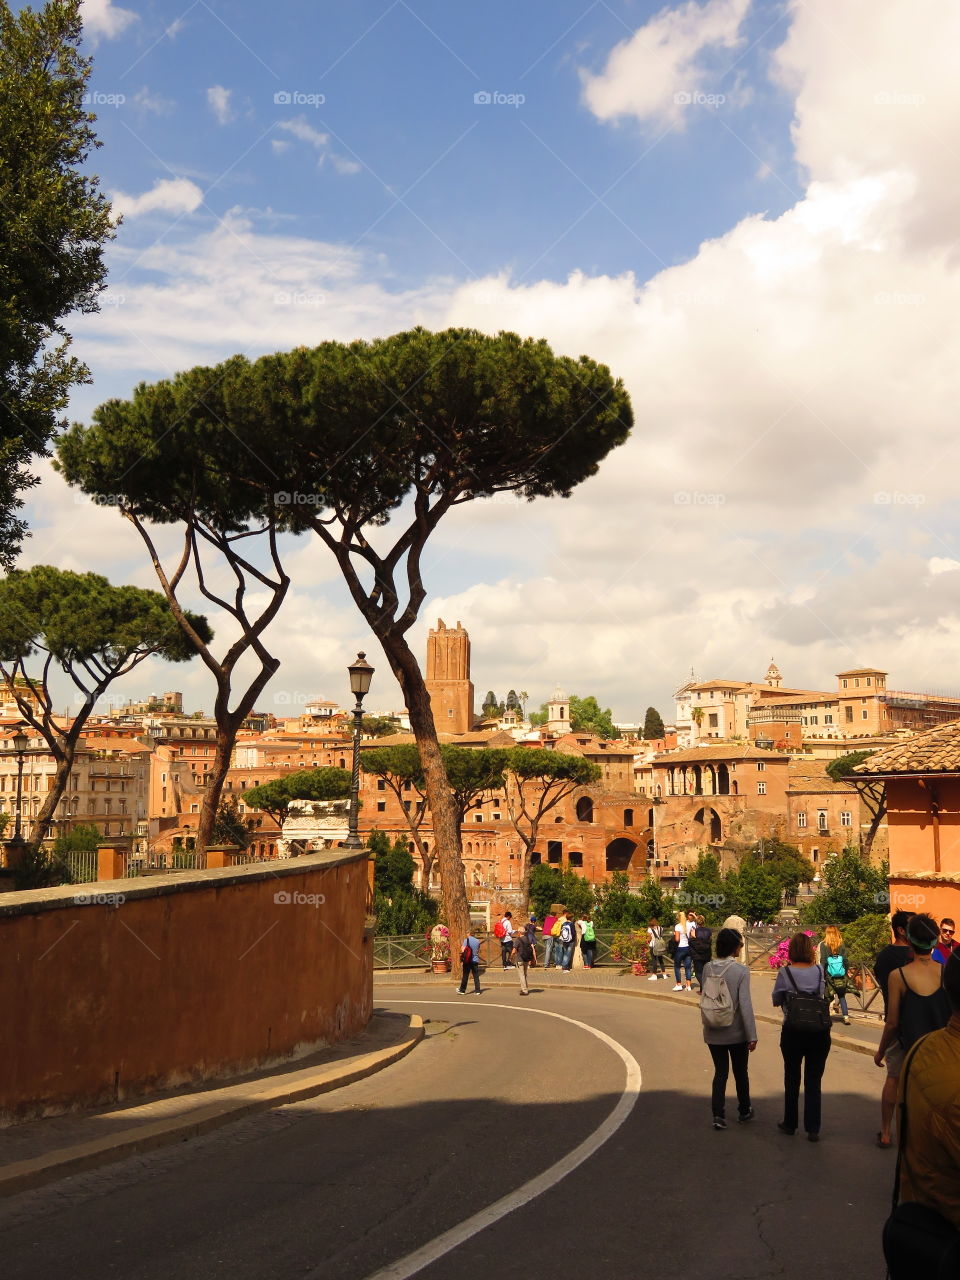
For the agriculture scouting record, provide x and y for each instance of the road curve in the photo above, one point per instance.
(484, 1124)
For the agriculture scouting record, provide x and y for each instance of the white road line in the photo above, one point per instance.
(456, 1236)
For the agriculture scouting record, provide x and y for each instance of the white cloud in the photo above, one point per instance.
(218, 100)
(175, 28)
(279, 146)
(154, 103)
(103, 19)
(169, 195)
(305, 132)
(344, 165)
(659, 75)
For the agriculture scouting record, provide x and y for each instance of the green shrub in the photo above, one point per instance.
(865, 938)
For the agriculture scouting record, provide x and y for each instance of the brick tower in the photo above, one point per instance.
(448, 678)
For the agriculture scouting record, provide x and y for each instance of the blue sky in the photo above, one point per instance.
(438, 184)
(740, 205)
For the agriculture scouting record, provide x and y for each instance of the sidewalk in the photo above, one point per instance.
(862, 1036)
(42, 1151)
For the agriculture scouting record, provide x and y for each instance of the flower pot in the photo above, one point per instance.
(441, 966)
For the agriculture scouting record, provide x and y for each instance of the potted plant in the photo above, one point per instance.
(440, 948)
(632, 947)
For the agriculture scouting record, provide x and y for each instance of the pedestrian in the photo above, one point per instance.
(588, 940)
(729, 1027)
(504, 931)
(833, 958)
(549, 920)
(567, 936)
(657, 951)
(738, 923)
(892, 957)
(522, 955)
(922, 1236)
(530, 929)
(470, 962)
(681, 957)
(805, 1037)
(917, 1004)
(701, 948)
(946, 943)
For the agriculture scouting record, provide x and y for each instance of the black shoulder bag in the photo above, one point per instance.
(805, 1011)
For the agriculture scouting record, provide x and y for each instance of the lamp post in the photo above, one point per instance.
(361, 673)
(15, 844)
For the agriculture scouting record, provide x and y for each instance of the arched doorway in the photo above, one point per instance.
(619, 853)
(723, 780)
(584, 809)
(710, 820)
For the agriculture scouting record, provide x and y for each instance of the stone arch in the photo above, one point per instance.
(710, 820)
(619, 853)
(584, 809)
(723, 780)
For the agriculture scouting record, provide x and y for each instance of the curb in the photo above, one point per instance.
(853, 1046)
(260, 1095)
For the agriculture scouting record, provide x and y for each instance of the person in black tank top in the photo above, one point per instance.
(918, 1004)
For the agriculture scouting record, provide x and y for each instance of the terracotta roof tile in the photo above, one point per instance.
(934, 751)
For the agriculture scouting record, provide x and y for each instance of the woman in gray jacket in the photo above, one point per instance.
(733, 1043)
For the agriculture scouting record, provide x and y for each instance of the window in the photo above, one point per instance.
(828, 719)
(868, 681)
(822, 820)
(554, 851)
(814, 720)
(584, 809)
(856, 683)
(713, 720)
(381, 784)
(628, 817)
(761, 788)
(801, 819)
(846, 818)
(194, 808)
(477, 817)
(761, 765)
(848, 716)
(381, 806)
(865, 715)
(845, 684)
(576, 858)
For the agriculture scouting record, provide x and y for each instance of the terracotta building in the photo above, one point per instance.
(922, 782)
(448, 678)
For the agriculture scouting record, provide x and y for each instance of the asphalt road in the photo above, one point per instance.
(347, 1184)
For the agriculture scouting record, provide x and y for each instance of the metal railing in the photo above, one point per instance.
(412, 951)
(82, 865)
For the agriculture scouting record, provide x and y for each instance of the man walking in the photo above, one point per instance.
(947, 942)
(522, 955)
(505, 934)
(549, 920)
(470, 959)
(568, 938)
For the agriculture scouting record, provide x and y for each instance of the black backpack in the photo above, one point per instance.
(523, 947)
(806, 1011)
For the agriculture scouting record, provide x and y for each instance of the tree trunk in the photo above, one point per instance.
(226, 737)
(443, 806)
(53, 798)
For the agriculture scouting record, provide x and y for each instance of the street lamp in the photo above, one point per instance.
(20, 743)
(361, 673)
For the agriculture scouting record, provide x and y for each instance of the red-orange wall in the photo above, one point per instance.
(177, 979)
(911, 842)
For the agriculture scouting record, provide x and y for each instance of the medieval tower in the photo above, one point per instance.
(448, 678)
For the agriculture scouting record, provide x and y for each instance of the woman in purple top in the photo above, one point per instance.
(801, 1050)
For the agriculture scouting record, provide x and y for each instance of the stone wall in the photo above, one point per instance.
(124, 987)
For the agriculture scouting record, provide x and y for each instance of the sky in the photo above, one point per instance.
(744, 207)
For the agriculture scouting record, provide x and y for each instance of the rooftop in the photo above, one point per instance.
(718, 751)
(934, 751)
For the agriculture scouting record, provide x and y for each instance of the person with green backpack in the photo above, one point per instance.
(588, 941)
(833, 958)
